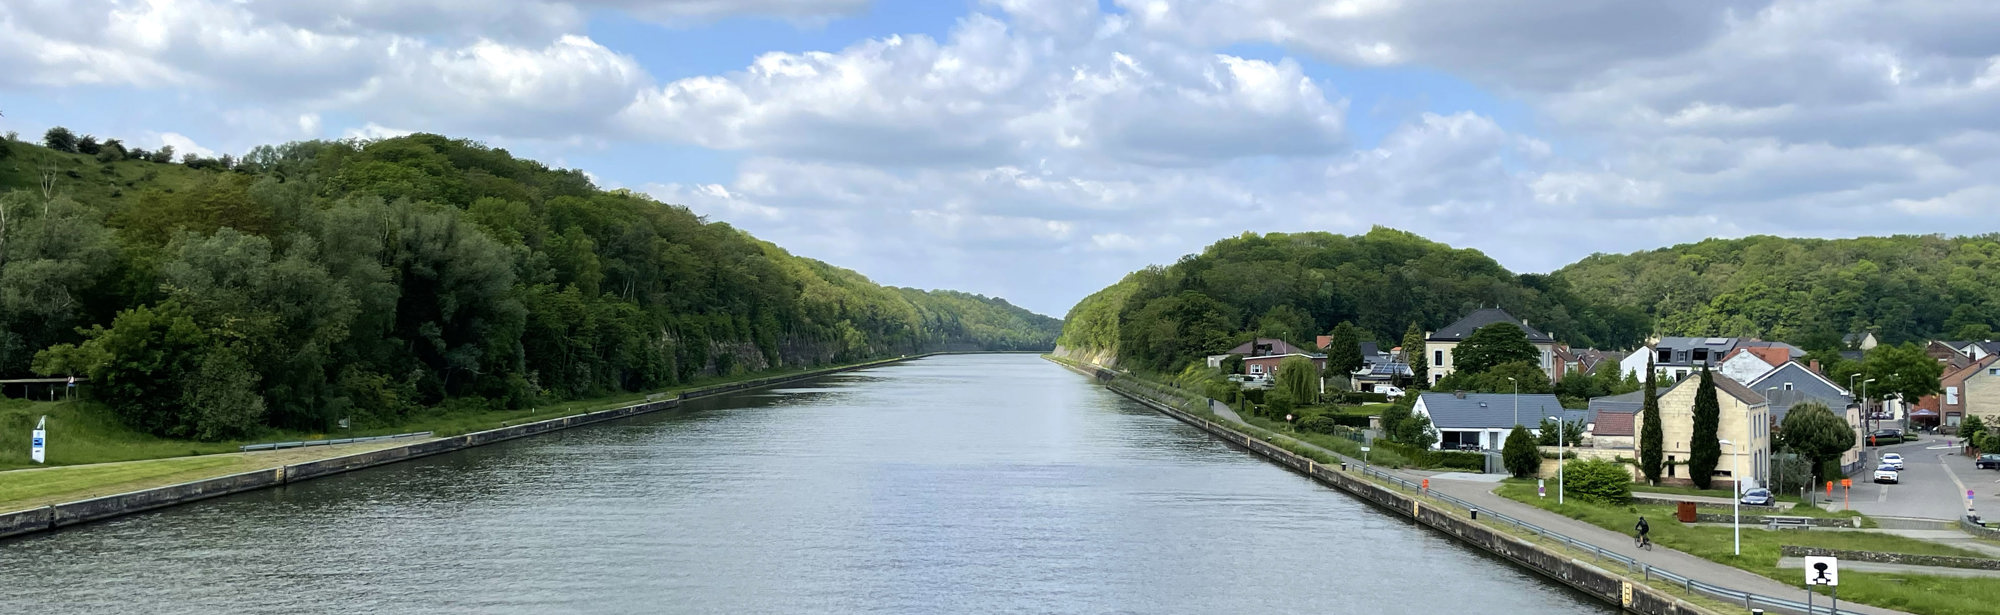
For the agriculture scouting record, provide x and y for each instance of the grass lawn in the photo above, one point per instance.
(1922, 594)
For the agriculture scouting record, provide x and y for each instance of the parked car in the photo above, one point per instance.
(1894, 460)
(1392, 392)
(1758, 497)
(1989, 461)
(1886, 474)
(1885, 436)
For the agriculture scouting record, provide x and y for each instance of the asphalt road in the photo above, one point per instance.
(1930, 487)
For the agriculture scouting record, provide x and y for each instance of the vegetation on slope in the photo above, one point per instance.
(1299, 285)
(317, 281)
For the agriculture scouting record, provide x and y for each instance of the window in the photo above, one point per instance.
(1951, 395)
(1788, 386)
(1666, 356)
(1701, 355)
(1439, 361)
(1670, 466)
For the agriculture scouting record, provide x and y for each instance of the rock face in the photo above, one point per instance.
(1103, 357)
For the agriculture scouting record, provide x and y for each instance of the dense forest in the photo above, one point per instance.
(1299, 285)
(1810, 292)
(314, 281)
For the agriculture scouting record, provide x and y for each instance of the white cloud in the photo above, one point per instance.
(181, 144)
(372, 131)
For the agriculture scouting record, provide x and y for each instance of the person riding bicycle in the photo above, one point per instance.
(1642, 528)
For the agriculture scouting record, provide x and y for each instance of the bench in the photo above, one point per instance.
(1801, 523)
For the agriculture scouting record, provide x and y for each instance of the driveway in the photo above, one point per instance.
(1931, 484)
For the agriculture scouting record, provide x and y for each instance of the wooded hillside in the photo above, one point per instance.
(321, 280)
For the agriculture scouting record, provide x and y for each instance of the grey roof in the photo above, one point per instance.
(1627, 402)
(1487, 410)
(1277, 347)
(1480, 318)
(1806, 386)
(1385, 370)
(1719, 345)
(1724, 386)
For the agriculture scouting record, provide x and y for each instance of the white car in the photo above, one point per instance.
(1893, 460)
(1390, 391)
(1886, 474)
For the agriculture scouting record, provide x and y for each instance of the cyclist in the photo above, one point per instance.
(1642, 528)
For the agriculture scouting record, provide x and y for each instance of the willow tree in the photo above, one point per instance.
(1299, 378)
(1413, 352)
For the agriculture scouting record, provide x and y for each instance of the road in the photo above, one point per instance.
(1931, 484)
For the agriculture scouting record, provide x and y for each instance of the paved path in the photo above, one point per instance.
(1480, 493)
(1223, 410)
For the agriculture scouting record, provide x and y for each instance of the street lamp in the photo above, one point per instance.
(1867, 415)
(1736, 476)
(1517, 400)
(1559, 459)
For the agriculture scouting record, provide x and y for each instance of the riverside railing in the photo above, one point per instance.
(1646, 571)
(272, 446)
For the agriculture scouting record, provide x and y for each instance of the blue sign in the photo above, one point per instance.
(38, 441)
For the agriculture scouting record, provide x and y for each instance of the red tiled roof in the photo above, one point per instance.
(1772, 356)
(1613, 424)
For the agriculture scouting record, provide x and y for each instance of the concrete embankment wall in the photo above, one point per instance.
(62, 515)
(1589, 579)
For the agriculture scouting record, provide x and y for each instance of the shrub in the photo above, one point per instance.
(1519, 453)
(1597, 480)
(1320, 423)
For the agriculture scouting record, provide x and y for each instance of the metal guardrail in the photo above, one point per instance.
(1647, 571)
(272, 446)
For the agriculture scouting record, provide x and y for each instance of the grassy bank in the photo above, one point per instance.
(1916, 593)
(83, 432)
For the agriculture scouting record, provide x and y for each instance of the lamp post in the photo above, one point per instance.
(1736, 504)
(1867, 415)
(1517, 400)
(1559, 458)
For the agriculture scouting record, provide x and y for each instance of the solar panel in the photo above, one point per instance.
(1717, 341)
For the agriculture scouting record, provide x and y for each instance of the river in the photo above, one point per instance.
(952, 484)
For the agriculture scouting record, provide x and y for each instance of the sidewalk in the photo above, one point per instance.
(1480, 492)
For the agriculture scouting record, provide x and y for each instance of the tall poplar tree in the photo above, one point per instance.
(1651, 438)
(1705, 447)
(1414, 352)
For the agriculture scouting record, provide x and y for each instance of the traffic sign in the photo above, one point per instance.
(1822, 570)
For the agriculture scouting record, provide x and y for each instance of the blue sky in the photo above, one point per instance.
(1040, 149)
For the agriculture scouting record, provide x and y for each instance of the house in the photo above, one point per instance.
(1441, 342)
(1744, 421)
(1978, 388)
(1262, 355)
(1794, 383)
(1268, 364)
(1863, 341)
(1746, 364)
(1482, 420)
(1377, 367)
(1675, 358)
(1617, 422)
(1949, 354)
(1589, 359)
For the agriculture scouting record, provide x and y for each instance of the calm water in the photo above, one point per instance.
(995, 483)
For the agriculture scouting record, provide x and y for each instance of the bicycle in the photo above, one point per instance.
(1643, 542)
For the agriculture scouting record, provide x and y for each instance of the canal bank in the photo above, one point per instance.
(1597, 582)
(56, 516)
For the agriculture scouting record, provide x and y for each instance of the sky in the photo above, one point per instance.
(1038, 150)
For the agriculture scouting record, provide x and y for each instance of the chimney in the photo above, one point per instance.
(1458, 394)
(1815, 367)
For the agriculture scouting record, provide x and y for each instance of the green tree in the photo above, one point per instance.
(1815, 433)
(1973, 431)
(1298, 378)
(147, 354)
(1492, 345)
(1401, 426)
(1704, 446)
(1495, 380)
(60, 139)
(1549, 433)
(1415, 353)
(1286, 322)
(1652, 437)
(87, 145)
(1901, 372)
(1977, 331)
(1343, 351)
(1232, 364)
(1520, 455)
